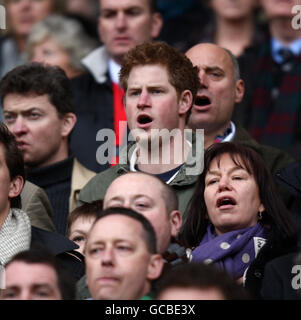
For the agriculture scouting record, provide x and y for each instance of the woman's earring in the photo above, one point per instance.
(259, 215)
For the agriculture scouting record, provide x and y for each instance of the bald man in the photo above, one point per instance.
(221, 88)
(151, 197)
(156, 201)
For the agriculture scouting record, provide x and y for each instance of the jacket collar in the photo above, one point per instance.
(80, 176)
(127, 161)
(97, 63)
(53, 241)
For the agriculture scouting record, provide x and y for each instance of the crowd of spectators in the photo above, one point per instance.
(150, 149)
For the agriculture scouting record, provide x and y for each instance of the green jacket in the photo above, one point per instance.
(37, 206)
(275, 159)
(183, 183)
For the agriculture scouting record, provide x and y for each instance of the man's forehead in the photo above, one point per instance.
(140, 184)
(209, 56)
(122, 4)
(151, 65)
(114, 229)
(23, 100)
(118, 222)
(137, 177)
(39, 269)
(148, 74)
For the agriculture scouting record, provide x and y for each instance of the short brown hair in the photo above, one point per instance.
(148, 234)
(182, 74)
(202, 276)
(87, 210)
(37, 79)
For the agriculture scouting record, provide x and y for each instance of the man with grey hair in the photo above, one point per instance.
(122, 25)
(221, 88)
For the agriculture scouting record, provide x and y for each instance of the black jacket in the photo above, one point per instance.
(274, 247)
(290, 178)
(280, 278)
(94, 111)
(62, 248)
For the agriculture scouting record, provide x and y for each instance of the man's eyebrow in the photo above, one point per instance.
(134, 196)
(134, 7)
(96, 242)
(134, 86)
(30, 109)
(117, 197)
(108, 11)
(214, 68)
(12, 287)
(148, 86)
(101, 242)
(42, 286)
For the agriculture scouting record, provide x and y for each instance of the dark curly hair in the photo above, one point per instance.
(37, 79)
(13, 158)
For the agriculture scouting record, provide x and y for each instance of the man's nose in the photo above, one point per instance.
(26, 4)
(144, 99)
(121, 21)
(107, 257)
(19, 126)
(25, 295)
(203, 79)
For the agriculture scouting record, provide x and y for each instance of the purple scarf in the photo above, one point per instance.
(232, 251)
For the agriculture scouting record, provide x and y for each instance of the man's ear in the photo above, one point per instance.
(175, 219)
(68, 123)
(157, 23)
(185, 102)
(239, 90)
(155, 267)
(15, 187)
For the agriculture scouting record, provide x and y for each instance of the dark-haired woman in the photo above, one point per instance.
(236, 218)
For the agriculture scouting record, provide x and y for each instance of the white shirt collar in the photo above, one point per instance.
(114, 69)
(231, 135)
(97, 63)
(276, 45)
(133, 161)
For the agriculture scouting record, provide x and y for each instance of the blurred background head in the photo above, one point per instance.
(23, 14)
(59, 41)
(86, 8)
(233, 10)
(196, 281)
(275, 9)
